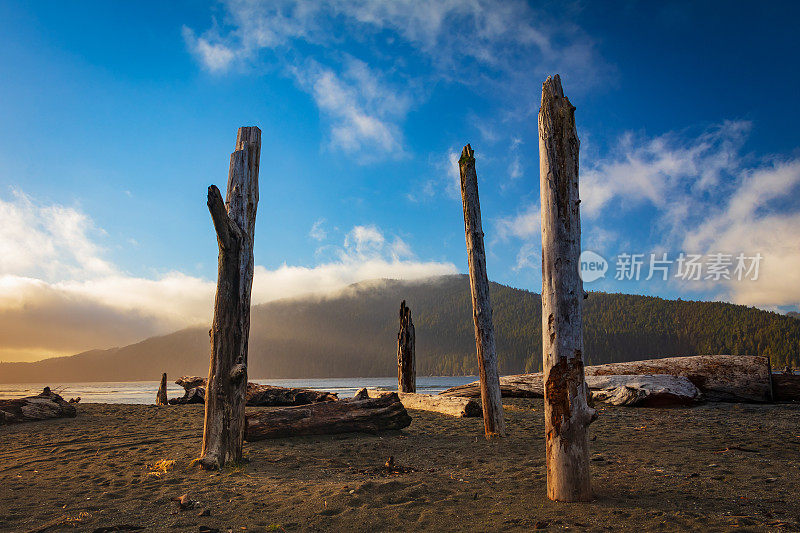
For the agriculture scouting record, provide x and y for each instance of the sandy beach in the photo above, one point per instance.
(713, 467)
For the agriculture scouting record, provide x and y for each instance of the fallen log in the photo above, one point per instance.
(269, 395)
(786, 387)
(448, 405)
(632, 390)
(195, 395)
(256, 395)
(46, 405)
(361, 413)
(720, 378)
(658, 390)
(516, 386)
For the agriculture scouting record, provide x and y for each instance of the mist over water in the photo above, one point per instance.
(144, 392)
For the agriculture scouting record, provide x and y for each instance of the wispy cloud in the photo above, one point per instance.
(755, 219)
(702, 193)
(48, 240)
(213, 55)
(652, 171)
(707, 196)
(362, 110)
(366, 63)
(525, 225)
(317, 231)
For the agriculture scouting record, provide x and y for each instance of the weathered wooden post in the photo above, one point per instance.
(161, 397)
(234, 222)
(406, 370)
(493, 417)
(566, 413)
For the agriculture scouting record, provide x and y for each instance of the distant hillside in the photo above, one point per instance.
(354, 334)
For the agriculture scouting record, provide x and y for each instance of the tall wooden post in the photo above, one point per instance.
(566, 413)
(234, 222)
(161, 397)
(493, 417)
(406, 370)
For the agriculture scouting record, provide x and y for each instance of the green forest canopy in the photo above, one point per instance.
(354, 334)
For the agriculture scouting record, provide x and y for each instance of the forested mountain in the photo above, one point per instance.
(354, 333)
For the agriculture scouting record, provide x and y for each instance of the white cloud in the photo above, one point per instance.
(48, 240)
(361, 109)
(363, 241)
(317, 231)
(654, 171)
(529, 257)
(751, 223)
(525, 225)
(400, 250)
(59, 296)
(215, 56)
(453, 173)
(708, 197)
(363, 86)
(515, 166)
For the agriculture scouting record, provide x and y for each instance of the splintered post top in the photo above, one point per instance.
(247, 135)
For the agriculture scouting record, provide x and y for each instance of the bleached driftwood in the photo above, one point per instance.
(448, 405)
(721, 378)
(632, 390)
(493, 417)
(659, 390)
(361, 413)
(514, 386)
(731, 378)
(256, 395)
(567, 414)
(46, 405)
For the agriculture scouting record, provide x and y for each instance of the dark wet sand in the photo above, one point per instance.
(653, 469)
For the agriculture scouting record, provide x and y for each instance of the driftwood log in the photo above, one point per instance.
(659, 390)
(447, 405)
(161, 397)
(567, 414)
(406, 339)
(190, 396)
(491, 400)
(359, 414)
(631, 390)
(514, 386)
(721, 378)
(728, 378)
(46, 405)
(255, 395)
(234, 222)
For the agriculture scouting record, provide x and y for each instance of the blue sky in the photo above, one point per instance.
(114, 118)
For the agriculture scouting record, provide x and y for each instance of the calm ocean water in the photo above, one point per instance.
(145, 391)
